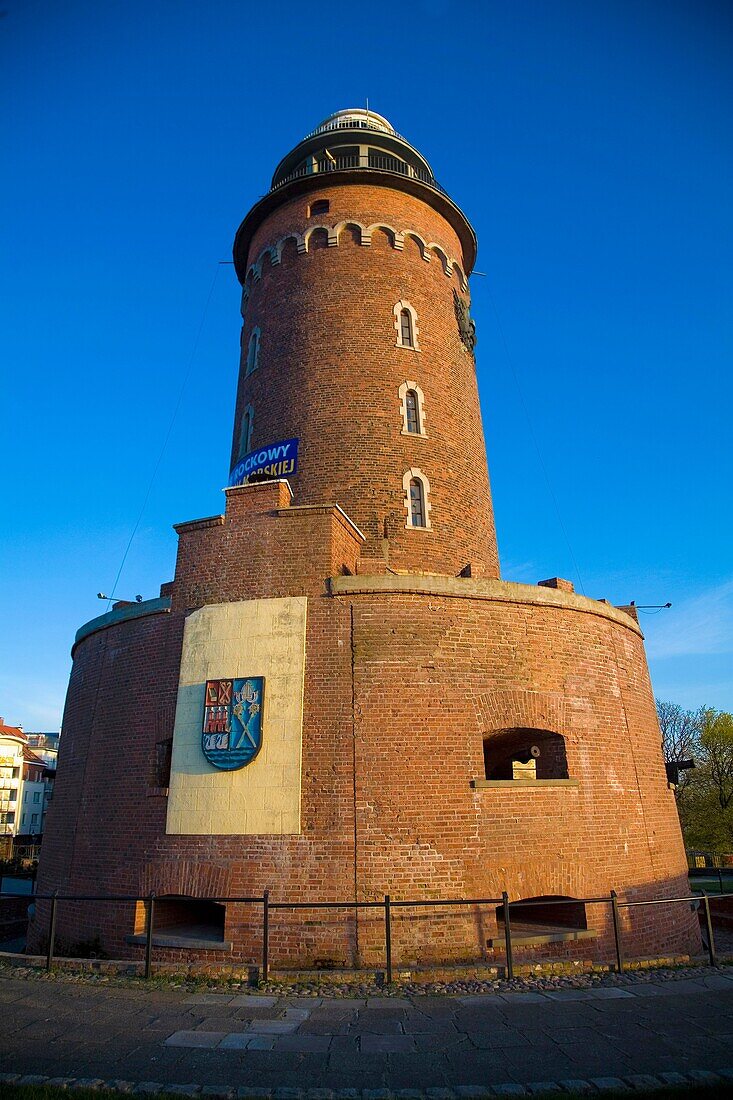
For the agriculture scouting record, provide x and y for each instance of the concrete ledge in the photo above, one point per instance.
(524, 940)
(170, 939)
(473, 588)
(523, 784)
(159, 606)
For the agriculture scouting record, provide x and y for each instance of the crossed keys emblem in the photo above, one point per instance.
(232, 727)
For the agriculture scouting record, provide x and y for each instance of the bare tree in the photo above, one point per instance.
(681, 737)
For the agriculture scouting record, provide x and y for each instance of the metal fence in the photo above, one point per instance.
(386, 906)
(340, 161)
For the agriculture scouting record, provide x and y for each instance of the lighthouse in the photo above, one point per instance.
(337, 698)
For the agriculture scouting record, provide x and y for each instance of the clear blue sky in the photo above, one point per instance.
(591, 146)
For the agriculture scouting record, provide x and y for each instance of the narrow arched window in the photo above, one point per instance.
(416, 499)
(412, 408)
(253, 352)
(406, 337)
(405, 323)
(417, 503)
(412, 416)
(245, 431)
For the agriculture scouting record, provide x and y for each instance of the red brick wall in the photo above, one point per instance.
(330, 372)
(400, 691)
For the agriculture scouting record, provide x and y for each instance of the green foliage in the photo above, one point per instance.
(705, 793)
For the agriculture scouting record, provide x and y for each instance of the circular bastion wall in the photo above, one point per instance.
(417, 691)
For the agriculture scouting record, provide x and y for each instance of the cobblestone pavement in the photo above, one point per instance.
(220, 1041)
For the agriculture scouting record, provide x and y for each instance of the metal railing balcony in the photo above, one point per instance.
(380, 162)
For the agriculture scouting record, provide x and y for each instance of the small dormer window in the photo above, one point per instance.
(320, 206)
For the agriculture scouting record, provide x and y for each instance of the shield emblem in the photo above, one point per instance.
(232, 731)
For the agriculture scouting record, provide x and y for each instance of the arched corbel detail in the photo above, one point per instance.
(388, 229)
(309, 233)
(461, 277)
(280, 245)
(335, 233)
(443, 256)
(424, 251)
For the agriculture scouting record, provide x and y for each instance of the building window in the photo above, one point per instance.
(245, 431)
(525, 755)
(416, 500)
(413, 422)
(412, 409)
(405, 323)
(320, 206)
(253, 352)
(34, 819)
(22, 819)
(36, 796)
(162, 765)
(417, 503)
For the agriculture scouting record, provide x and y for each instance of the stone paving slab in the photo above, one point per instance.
(435, 1048)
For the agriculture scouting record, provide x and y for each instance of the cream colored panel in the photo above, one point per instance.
(251, 638)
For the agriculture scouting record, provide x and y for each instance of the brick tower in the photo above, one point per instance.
(354, 268)
(337, 697)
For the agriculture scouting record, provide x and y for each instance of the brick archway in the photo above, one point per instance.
(522, 709)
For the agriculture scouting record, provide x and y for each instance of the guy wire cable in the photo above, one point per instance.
(177, 406)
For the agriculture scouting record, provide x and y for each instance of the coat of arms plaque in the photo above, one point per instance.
(232, 729)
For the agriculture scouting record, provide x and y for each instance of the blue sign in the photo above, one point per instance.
(277, 460)
(232, 732)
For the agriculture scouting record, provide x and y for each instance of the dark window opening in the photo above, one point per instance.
(253, 350)
(542, 919)
(245, 434)
(525, 755)
(320, 206)
(417, 503)
(406, 329)
(183, 922)
(411, 408)
(162, 769)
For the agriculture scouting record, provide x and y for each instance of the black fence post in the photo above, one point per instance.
(709, 928)
(388, 936)
(52, 932)
(507, 935)
(720, 879)
(265, 935)
(617, 932)
(149, 936)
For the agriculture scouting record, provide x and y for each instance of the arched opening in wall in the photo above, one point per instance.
(546, 918)
(320, 206)
(183, 922)
(525, 755)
